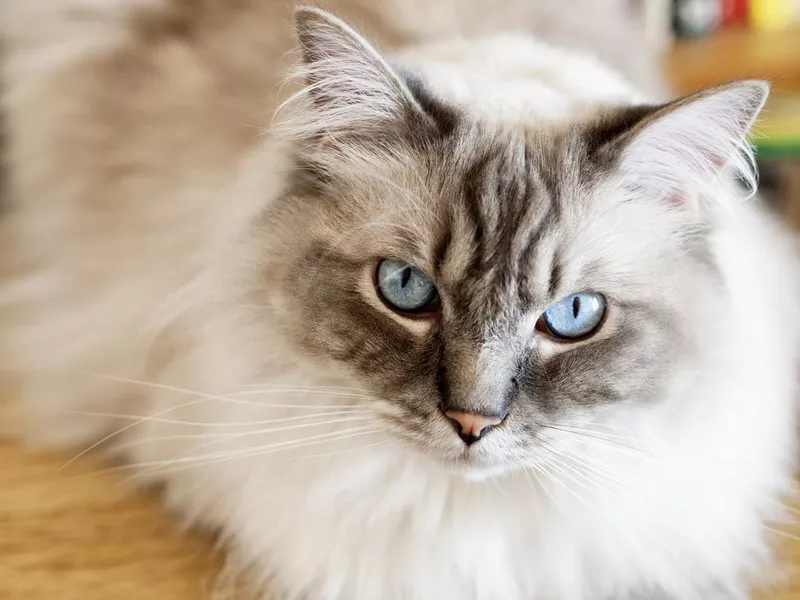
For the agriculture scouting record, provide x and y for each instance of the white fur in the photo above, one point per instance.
(366, 517)
(513, 78)
(350, 519)
(687, 152)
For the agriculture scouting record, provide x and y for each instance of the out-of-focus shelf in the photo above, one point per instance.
(748, 54)
(744, 54)
(737, 54)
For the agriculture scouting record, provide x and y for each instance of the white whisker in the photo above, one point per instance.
(225, 397)
(600, 437)
(209, 424)
(157, 418)
(255, 450)
(323, 388)
(296, 390)
(227, 436)
(536, 484)
(783, 534)
(263, 451)
(339, 452)
(589, 462)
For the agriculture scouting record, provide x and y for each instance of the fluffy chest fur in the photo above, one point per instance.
(363, 517)
(347, 510)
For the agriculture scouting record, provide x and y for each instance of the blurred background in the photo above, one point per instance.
(705, 42)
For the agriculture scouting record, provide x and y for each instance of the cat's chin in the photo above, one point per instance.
(472, 469)
(479, 473)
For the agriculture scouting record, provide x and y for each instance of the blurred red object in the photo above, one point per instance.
(734, 12)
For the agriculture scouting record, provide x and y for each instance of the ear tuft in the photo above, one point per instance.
(350, 92)
(681, 150)
(323, 35)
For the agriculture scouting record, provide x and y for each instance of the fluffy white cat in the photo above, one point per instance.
(475, 322)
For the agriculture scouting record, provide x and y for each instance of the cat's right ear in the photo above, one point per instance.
(351, 95)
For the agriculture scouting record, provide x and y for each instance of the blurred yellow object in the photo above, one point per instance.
(772, 15)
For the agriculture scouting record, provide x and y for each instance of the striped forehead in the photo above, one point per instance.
(498, 249)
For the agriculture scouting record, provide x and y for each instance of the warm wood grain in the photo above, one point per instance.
(74, 534)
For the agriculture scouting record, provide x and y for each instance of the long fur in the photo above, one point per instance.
(198, 299)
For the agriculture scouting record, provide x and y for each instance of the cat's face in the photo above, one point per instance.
(490, 285)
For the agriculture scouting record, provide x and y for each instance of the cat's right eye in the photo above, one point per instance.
(575, 317)
(404, 287)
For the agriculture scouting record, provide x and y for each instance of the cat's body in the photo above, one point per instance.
(289, 406)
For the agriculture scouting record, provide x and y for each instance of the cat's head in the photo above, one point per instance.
(490, 282)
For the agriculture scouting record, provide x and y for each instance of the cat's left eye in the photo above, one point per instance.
(405, 287)
(575, 317)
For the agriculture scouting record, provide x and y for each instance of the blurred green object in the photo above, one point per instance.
(777, 133)
(769, 149)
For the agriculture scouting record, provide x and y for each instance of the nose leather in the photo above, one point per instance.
(471, 426)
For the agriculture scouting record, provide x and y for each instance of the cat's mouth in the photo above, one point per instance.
(471, 463)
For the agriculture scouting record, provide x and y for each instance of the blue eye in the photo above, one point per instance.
(404, 286)
(575, 316)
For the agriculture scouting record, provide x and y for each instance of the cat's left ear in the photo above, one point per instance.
(351, 96)
(675, 151)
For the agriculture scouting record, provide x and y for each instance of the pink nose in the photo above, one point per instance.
(471, 426)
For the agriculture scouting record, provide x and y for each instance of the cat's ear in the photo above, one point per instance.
(676, 151)
(351, 93)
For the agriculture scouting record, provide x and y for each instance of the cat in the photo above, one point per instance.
(476, 320)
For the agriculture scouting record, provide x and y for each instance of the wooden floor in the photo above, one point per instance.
(74, 534)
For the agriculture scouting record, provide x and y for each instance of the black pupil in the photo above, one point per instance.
(406, 276)
(576, 306)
